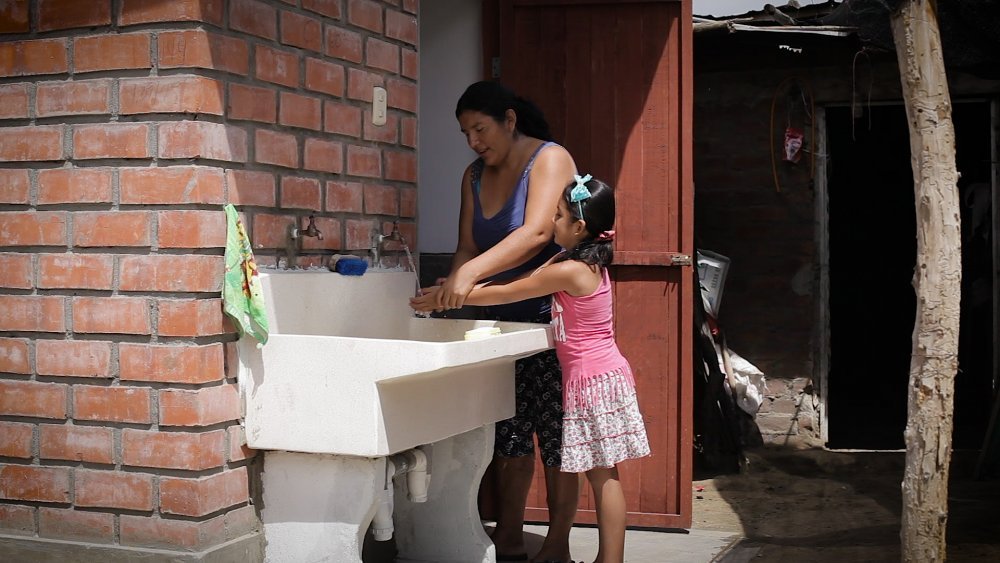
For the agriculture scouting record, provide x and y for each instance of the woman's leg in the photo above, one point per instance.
(610, 501)
(514, 460)
(513, 482)
(562, 489)
(562, 494)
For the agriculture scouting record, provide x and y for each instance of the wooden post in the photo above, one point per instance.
(937, 280)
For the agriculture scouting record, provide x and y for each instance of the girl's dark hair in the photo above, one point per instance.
(598, 214)
(494, 99)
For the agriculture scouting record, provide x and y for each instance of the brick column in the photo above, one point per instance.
(125, 125)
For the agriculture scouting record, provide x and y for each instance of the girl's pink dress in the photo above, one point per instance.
(601, 421)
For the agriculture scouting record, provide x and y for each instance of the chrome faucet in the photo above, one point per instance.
(293, 242)
(378, 238)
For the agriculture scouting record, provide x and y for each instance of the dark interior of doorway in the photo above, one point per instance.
(872, 244)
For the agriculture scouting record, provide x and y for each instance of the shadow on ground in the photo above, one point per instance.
(824, 506)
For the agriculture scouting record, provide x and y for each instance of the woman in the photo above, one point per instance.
(505, 229)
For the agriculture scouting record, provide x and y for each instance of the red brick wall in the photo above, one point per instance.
(124, 127)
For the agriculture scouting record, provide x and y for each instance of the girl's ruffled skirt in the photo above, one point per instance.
(605, 429)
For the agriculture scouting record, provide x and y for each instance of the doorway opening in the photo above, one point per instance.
(872, 253)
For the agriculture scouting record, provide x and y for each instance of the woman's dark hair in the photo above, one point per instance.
(494, 99)
(598, 214)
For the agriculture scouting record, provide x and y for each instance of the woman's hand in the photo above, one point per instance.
(455, 289)
(426, 302)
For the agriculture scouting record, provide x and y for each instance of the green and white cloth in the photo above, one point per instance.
(242, 297)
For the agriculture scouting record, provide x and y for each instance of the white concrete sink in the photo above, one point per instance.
(349, 370)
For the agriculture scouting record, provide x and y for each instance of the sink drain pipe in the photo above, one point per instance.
(414, 464)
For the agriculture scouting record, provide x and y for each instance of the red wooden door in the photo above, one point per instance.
(614, 80)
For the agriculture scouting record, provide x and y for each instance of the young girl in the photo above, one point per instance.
(601, 421)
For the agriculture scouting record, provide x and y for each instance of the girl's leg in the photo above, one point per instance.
(610, 501)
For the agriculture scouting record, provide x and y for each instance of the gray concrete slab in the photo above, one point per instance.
(679, 546)
(694, 546)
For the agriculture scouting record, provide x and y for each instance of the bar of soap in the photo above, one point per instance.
(482, 332)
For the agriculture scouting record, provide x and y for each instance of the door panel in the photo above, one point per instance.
(614, 80)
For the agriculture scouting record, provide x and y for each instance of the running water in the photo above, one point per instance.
(413, 268)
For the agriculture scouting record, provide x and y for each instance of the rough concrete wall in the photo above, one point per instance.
(771, 301)
(767, 308)
(126, 125)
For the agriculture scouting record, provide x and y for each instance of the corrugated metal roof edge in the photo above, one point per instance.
(732, 26)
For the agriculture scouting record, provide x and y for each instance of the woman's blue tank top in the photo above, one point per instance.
(488, 231)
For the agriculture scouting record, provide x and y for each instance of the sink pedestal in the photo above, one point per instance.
(317, 507)
(447, 528)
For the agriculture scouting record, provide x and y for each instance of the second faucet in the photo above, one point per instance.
(378, 238)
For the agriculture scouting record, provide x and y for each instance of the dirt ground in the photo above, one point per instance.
(843, 507)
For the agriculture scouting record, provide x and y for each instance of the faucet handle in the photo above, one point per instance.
(311, 229)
